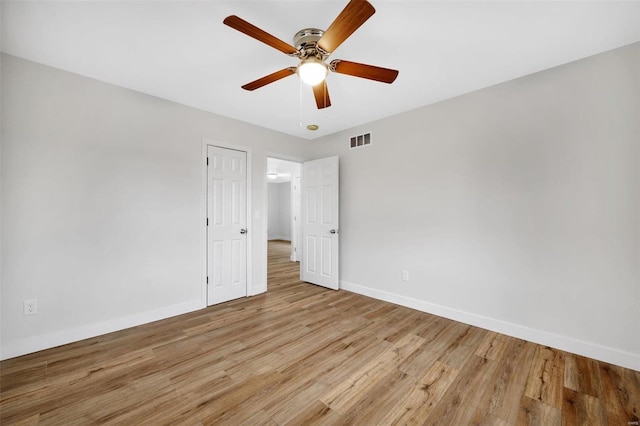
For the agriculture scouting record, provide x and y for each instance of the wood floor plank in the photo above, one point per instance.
(459, 351)
(582, 409)
(320, 363)
(492, 346)
(582, 374)
(458, 404)
(360, 357)
(345, 395)
(501, 398)
(534, 412)
(302, 354)
(409, 322)
(206, 380)
(29, 421)
(287, 407)
(423, 396)
(259, 418)
(271, 397)
(380, 399)
(621, 394)
(546, 377)
(25, 379)
(315, 414)
(219, 407)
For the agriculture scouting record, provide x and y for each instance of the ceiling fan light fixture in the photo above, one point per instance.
(312, 47)
(312, 71)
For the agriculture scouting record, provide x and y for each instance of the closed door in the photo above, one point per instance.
(226, 224)
(320, 238)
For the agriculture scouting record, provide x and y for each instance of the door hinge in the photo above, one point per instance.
(207, 221)
(207, 280)
(207, 161)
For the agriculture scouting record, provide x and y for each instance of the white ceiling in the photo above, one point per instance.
(181, 51)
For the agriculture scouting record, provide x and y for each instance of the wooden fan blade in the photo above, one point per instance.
(269, 78)
(370, 72)
(321, 93)
(350, 19)
(252, 31)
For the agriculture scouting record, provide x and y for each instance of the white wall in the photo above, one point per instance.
(279, 202)
(102, 217)
(515, 208)
(285, 210)
(273, 207)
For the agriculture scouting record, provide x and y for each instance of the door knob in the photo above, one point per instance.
(243, 231)
(334, 231)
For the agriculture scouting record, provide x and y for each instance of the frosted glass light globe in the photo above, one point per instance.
(312, 71)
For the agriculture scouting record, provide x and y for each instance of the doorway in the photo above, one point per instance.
(283, 210)
(313, 224)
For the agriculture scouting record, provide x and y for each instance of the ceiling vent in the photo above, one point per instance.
(360, 140)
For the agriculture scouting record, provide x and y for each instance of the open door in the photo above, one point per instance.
(320, 238)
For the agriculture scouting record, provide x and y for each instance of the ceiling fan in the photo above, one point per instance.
(313, 46)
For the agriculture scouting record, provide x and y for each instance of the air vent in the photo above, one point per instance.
(360, 140)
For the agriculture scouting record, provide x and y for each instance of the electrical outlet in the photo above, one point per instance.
(405, 275)
(31, 307)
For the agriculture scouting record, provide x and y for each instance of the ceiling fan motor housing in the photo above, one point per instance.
(306, 41)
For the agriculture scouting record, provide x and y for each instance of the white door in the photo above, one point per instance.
(320, 222)
(226, 224)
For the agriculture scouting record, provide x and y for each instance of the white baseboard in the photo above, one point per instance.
(591, 350)
(279, 237)
(28, 345)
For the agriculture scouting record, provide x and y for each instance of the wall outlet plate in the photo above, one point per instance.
(31, 307)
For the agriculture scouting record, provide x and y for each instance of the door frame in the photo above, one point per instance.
(203, 220)
(265, 204)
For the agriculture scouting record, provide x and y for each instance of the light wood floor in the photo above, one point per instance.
(301, 354)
